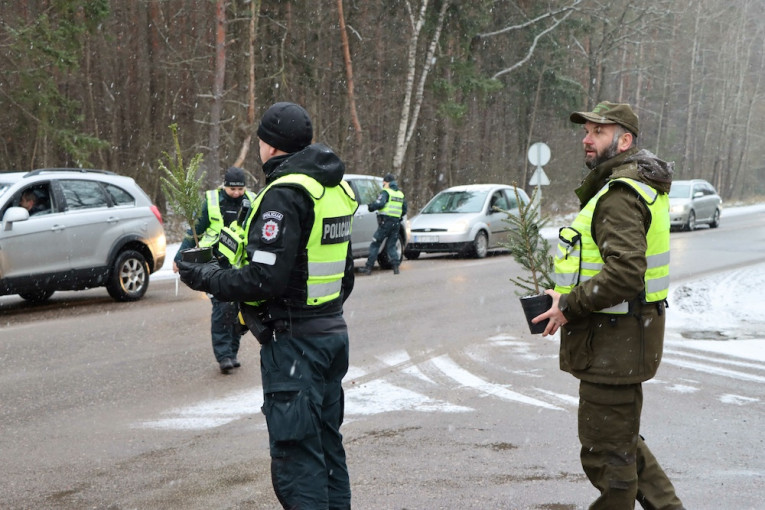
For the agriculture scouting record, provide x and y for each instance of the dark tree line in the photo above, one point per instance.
(443, 92)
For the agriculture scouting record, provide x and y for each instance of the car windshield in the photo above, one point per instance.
(679, 190)
(4, 187)
(456, 202)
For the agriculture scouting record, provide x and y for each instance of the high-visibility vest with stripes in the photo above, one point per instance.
(211, 236)
(395, 204)
(578, 258)
(330, 235)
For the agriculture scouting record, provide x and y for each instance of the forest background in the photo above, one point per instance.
(438, 92)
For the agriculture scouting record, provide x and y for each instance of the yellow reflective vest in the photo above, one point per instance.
(578, 258)
(328, 241)
(211, 236)
(395, 204)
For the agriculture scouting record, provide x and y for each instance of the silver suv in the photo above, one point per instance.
(73, 229)
(367, 188)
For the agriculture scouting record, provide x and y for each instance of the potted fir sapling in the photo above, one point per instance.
(183, 190)
(532, 252)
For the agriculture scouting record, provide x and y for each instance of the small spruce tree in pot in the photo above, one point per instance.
(532, 252)
(183, 190)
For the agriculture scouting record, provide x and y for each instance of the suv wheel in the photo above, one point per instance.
(130, 277)
(37, 296)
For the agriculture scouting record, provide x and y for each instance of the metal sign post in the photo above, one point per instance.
(539, 156)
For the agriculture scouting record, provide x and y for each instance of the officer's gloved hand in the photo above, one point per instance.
(197, 275)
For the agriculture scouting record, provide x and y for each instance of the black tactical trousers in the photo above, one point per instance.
(614, 456)
(224, 329)
(386, 231)
(302, 369)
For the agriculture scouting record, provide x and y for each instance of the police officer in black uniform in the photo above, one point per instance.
(220, 209)
(298, 273)
(391, 207)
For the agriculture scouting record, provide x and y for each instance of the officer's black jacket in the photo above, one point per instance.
(277, 239)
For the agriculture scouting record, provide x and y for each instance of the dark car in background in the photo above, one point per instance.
(367, 188)
(694, 202)
(89, 228)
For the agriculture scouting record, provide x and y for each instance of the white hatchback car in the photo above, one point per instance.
(87, 228)
(463, 219)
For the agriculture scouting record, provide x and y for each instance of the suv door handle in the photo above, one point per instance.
(112, 219)
(57, 228)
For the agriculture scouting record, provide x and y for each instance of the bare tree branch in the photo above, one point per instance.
(531, 22)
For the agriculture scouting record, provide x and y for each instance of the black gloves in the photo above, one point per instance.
(197, 276)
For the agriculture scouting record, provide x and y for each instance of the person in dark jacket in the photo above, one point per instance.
(299, 271)
(220, 209)
(391, 207)
(612, 278)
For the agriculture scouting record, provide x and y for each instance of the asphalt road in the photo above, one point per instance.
(450, 402)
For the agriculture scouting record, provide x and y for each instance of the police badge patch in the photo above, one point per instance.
(272, 226)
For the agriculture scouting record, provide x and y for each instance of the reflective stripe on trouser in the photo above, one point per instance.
(224, 329)
(614, 456)
(302, 370)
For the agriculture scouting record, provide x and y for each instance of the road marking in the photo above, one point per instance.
(737, 399)
(446, 365)
(709, 369)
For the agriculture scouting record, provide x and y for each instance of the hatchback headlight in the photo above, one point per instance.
(459, 227)
(678, 208)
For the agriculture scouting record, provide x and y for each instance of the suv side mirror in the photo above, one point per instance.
(14, 214)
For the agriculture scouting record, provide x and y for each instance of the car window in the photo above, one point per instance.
(367, 189)
(36, 199)
(83, 194)
(119, 196)
(512, 202)
(498, 199)
(4, 186)
(679, 190)
(456, 202)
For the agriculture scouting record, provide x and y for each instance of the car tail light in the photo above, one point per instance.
(156, 212)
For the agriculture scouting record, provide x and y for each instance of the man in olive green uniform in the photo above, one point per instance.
(612, 278)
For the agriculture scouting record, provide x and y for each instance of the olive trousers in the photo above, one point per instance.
(302, 369)
(614, 456)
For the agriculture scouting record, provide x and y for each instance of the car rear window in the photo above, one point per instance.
(83, 194)
(119, 196)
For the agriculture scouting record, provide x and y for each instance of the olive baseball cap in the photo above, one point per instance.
(609, 113)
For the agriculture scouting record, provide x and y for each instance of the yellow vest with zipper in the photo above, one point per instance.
(211, 235)
(578, 258)
(394, 206)
(328, 241)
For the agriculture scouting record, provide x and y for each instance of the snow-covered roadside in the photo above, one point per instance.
(722, 313)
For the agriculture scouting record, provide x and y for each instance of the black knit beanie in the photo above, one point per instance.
(287, 127)
(234, 177)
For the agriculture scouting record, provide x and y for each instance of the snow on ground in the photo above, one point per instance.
(722, 313)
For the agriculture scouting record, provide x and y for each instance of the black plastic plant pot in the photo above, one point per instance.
(533, 306)
(201, 254)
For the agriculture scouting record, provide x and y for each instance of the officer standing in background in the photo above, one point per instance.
(297, 274)
(612, 280)
(391, 207)
(220, 209)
